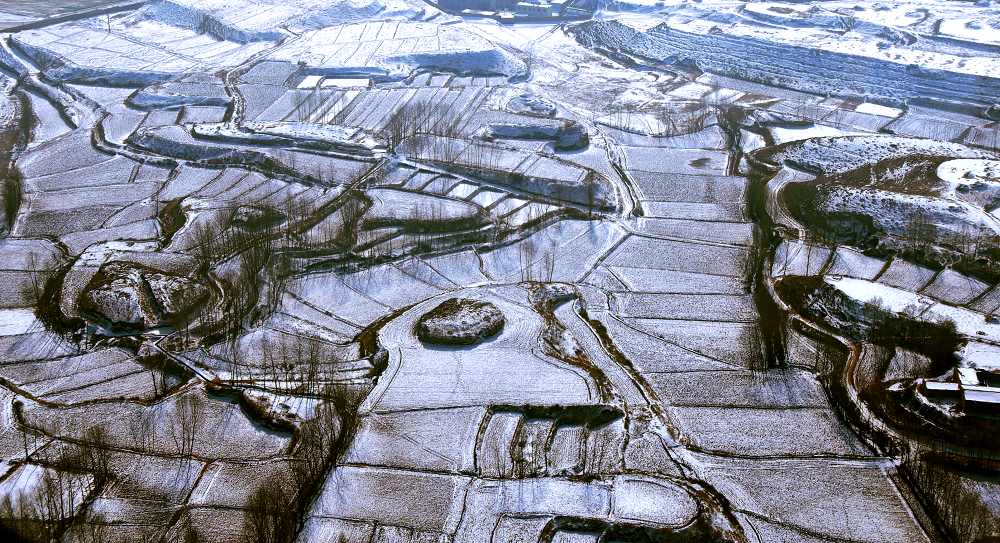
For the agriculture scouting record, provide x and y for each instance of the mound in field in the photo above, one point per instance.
(460, 321)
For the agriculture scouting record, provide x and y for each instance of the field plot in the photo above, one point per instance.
(643, 252)
(698, 230)
(724, 342)
(850, 263)
(780, 389)
(694, 210)
(423, 376)
(907, 276)
(708, 307)
(788, 490)
(396, 46)
(131, 55)
(678, 162)
(690, 188)
(675, 282)
(796, 258)
(768, 432)
(952, 287)
(77, 379)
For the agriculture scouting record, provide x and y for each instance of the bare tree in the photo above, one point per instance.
(185, 425)
(268, 515)
(43, 513)
(91, 454)
(142, 430)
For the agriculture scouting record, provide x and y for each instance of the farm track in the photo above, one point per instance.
(237, 112)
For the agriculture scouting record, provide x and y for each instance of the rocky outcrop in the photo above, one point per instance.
(993, 112)
(529, 104)
(134, 297)
(251, 217)
(566, 135)
(460, 322)
(274, 410)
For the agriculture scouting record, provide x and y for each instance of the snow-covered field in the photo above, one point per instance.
(224, 223)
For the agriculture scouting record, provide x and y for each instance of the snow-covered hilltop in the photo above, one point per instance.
(245, 21)
(891, 55)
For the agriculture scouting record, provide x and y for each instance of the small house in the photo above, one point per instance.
(981, 401)
(938, 389)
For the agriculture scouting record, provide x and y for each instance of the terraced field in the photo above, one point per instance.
(707, 299)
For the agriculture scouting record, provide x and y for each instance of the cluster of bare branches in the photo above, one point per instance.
(185, 424)
(142, 431)
(963, 512)
(968, 248)
(937, 340)
(421, 118)
(301, 365)
(812, 112)
(484, 157)
(91, 454)
(435, 148)
(261, 271)
(621, 115)
(314, 106)
(282, 227)
(10, 198)
(676, 123)
(34, 289)
(221, 237)
(268, 517)
(354, 207)
(257, 251)
(276, 510)
(13, 138)
(45, 511)
(532, 267)
(675, 118)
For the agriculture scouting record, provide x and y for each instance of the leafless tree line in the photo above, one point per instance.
(43, 512)
(312, 109)
(302, 365)
(970, 249)
(533, 268)
(262, 269)
(421, 118)
(185, 423)
(276, 510)
(673, 120)
(10, 197)
(280, 227)
(952, 496)
(13, 138)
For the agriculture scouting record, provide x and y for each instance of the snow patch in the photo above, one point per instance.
(245, 21)
(969, 323)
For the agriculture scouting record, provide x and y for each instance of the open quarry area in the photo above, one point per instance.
(540, 271)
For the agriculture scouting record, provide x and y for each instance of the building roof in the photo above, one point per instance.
(940, 387)
(989, 397)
